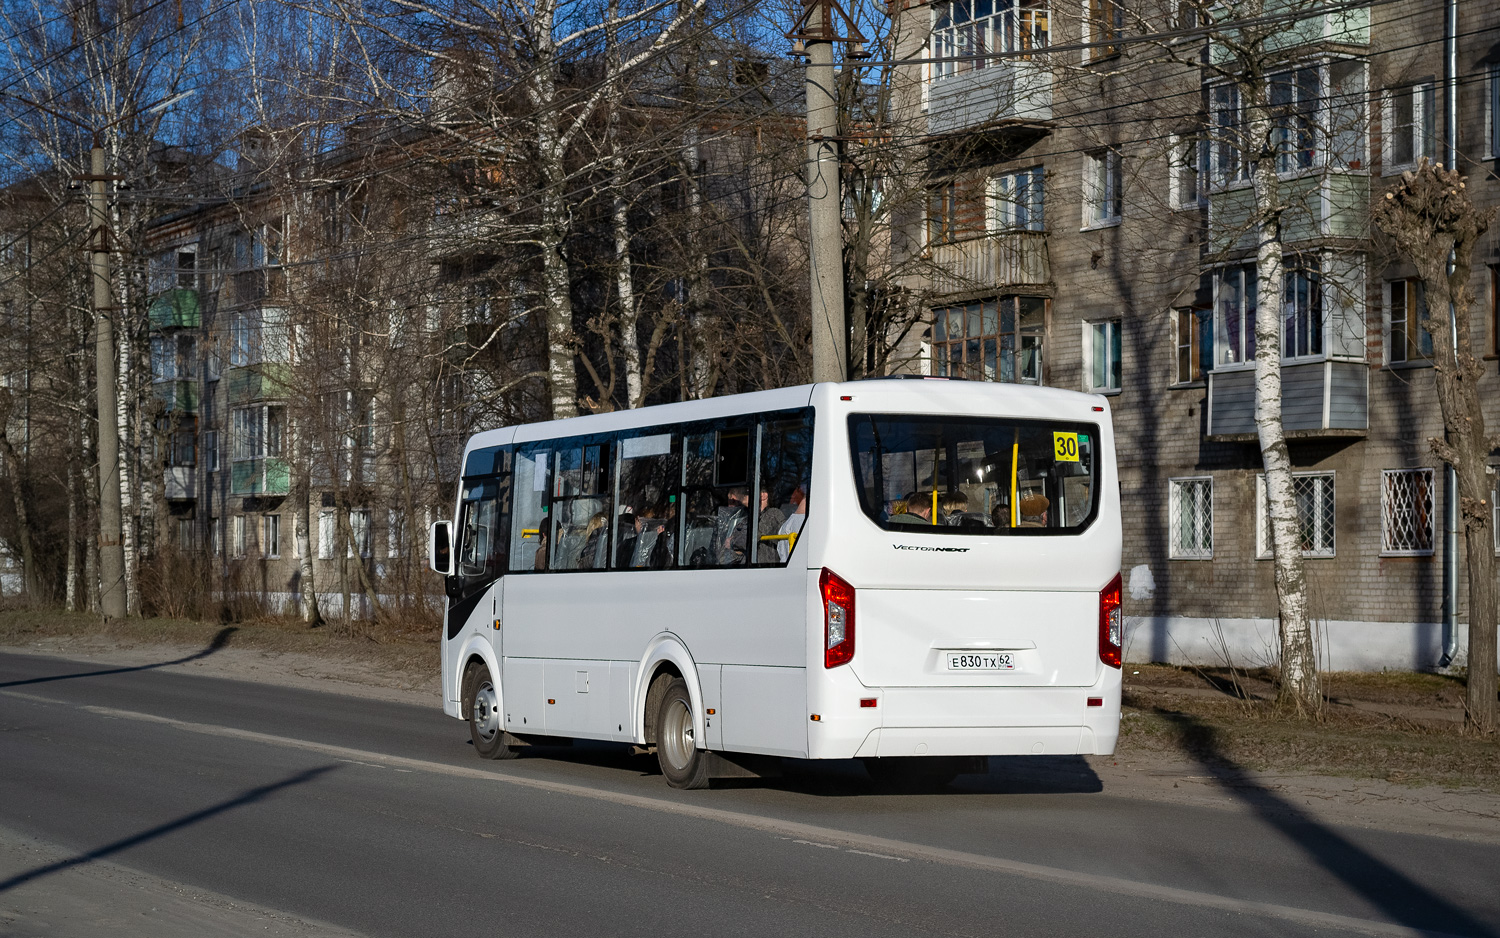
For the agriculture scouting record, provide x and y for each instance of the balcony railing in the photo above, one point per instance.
(1001, 259)
(1016, 91)
(1320, 398)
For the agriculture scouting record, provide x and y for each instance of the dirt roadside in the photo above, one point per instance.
(1379, 761)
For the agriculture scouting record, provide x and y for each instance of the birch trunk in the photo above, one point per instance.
(699, 369)
(18, 500)
(1298, 689)
(630, 343)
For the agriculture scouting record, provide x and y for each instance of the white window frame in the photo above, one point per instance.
(1005, 208)
(327, 533)
(1103, 207)
(1424, 100)
(1492, 113)
(1187, 155)
(1386, 476)
(1414, 297)
(360, 520)
(1112, 331)
(211, 450)
(1263, 517)
(1176, 488)
(270, 539)
(1247, 277)
(237, 541)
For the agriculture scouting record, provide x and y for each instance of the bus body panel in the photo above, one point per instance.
(905, 637)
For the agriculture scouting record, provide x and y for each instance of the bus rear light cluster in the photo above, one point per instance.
(838, 619)
(1111, 626)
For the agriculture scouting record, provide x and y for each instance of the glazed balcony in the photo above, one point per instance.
(1007, 92)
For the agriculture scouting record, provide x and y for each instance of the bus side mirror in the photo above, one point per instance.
(440, 547)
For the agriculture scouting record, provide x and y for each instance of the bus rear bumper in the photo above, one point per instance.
(972, 721)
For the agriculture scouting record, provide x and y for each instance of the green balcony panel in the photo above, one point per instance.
(246, 477)
(278, 478)
(176, 309)
(177, 397)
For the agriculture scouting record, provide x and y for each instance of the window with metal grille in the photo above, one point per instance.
(1191, 521)
(1406, 512)
(1313, 492)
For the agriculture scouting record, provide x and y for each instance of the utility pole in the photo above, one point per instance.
(815, 35)
(111, 548)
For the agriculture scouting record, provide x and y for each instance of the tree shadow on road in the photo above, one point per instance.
(1386, 888)
(220, 639)
(161, 830)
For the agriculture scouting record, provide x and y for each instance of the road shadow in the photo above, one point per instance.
(843, 778)
(161, 830)
(220, 639)
(1404, 900)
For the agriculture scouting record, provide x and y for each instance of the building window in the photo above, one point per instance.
(1187, 163)
(1226, 142)
(1406, 512)
(1302, 311)
(216, 535)
(326, 535)
(1407, 312)
(186, 539)
(270, 536)
(1103, 347)
(1104, 22)
(990, 340)
(238, 539)
(246, 422)
(359, 524)
(396, 533)
(1102, 185)
(241, 338)
(1234, 314)
(1410, 116)
(1016, 201)
(1295, 99)
(211, 450)
(1494, 316)
(1195, 343)
(968, 33)
(955, 210)
(1190, 505)
(1313, 493)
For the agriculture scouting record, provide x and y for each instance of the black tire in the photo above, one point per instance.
(911, 775)
(481, 703)
(682, 762)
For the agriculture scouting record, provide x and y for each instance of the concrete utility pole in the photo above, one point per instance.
(815, 35)
(111, 548)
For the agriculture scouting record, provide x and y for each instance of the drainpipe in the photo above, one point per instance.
(1450, 498)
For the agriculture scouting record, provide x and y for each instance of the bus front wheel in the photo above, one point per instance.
(682, 762)
(481, 702)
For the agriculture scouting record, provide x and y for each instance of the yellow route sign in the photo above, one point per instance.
(1065, 447)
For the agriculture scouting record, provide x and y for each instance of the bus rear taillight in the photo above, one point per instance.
(1111, 626)
(838, 619)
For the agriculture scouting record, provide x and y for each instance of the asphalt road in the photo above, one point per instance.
(322, 812)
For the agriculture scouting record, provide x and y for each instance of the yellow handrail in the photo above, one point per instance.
(791, 539)
(531, 532)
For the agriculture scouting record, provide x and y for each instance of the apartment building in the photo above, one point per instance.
(1086, 225)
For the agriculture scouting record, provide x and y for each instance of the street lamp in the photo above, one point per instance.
(111, 546)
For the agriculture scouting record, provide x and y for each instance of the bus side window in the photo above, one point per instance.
(580, 507)
(481, 530)
(529, 532)
(646, 519)
(785, 479)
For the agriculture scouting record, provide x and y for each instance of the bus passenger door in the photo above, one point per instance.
(476, 587)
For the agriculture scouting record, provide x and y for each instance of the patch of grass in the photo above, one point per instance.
(1233, 734)
(391, 648)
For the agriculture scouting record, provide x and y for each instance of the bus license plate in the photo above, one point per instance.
(980, 661)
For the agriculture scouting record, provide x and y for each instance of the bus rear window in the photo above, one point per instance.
(975, 475)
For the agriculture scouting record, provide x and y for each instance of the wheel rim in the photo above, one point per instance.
(676, 741)
(486, 712)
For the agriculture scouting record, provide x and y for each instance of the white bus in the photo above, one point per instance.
(909, 572)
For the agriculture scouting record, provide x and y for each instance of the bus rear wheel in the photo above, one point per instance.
(682, 763)
(481, 703)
